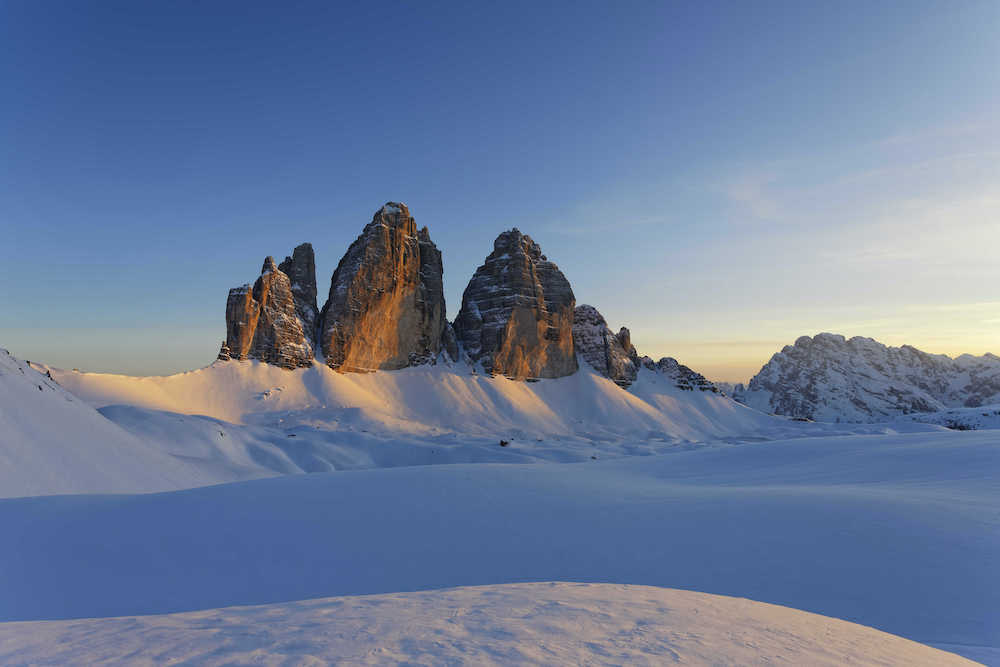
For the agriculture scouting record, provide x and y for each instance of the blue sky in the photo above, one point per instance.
(719, 177)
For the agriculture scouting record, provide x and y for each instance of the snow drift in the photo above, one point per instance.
(523, 624)
(52, 442)
(901, 533)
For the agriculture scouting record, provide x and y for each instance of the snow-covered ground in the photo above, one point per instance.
(901, 533)
(893, 526)
(522, 624)
(961, 419)
(244, 420)
(435, 400)
(53, 442)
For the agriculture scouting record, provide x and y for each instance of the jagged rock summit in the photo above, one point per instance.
(263, 323)
(830, 378)
(301, 271)
(611, 354)
(517, 313)
(386, 306)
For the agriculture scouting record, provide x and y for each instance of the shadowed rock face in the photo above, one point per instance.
(262, 323)
(517, 313)
(301, 271)
(682, 376)
(610, 354)
(386, 305)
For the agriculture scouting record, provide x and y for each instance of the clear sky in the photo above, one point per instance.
(720, 177)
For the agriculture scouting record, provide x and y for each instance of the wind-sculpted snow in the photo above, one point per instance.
(244, 420)
(829, 378)
(523, 624)
(53, 442)
(901, 533)
(444, 402)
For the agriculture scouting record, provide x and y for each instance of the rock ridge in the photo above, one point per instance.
(828, 377)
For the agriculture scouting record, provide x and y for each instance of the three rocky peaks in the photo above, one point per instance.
(386, 310)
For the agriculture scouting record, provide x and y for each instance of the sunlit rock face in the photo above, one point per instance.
(517, 313)
(610, 354)
(301, 271)
(386, 306)
(262, 322)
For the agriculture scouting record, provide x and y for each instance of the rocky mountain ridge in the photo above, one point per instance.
(386, 310)
(830, 378)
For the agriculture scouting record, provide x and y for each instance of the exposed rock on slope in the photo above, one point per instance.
(829, 378)
(611, 354)
(386, 305)
(262, 322)
(682, 376)
(301, 271)
(517, 313)
(614, 356)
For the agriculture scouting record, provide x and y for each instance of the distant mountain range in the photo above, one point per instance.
(830, 378)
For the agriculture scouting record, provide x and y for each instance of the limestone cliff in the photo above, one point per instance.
(301, 271)
(386, 307)
(611, 354)
(262, 322)
(517, 313)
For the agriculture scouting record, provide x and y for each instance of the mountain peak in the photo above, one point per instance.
(830, 378)
(385, 308)
(517, 312)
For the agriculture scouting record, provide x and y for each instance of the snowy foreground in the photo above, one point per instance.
(901, 533)
(540, 623)
(896, 527)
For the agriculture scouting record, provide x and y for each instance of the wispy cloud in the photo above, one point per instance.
(752, 193)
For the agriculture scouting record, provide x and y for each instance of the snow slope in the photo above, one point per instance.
(245, 420)
(523, 624)
(435, 400)
(901, 533)
(52, 442)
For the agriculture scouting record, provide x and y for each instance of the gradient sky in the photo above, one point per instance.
(720, 177)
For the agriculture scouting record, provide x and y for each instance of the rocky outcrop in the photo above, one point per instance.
(262, 322)
(301, 271)
(517, 313)
(830, 378)
(386, 306)
(611, 354)
(682, 376)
